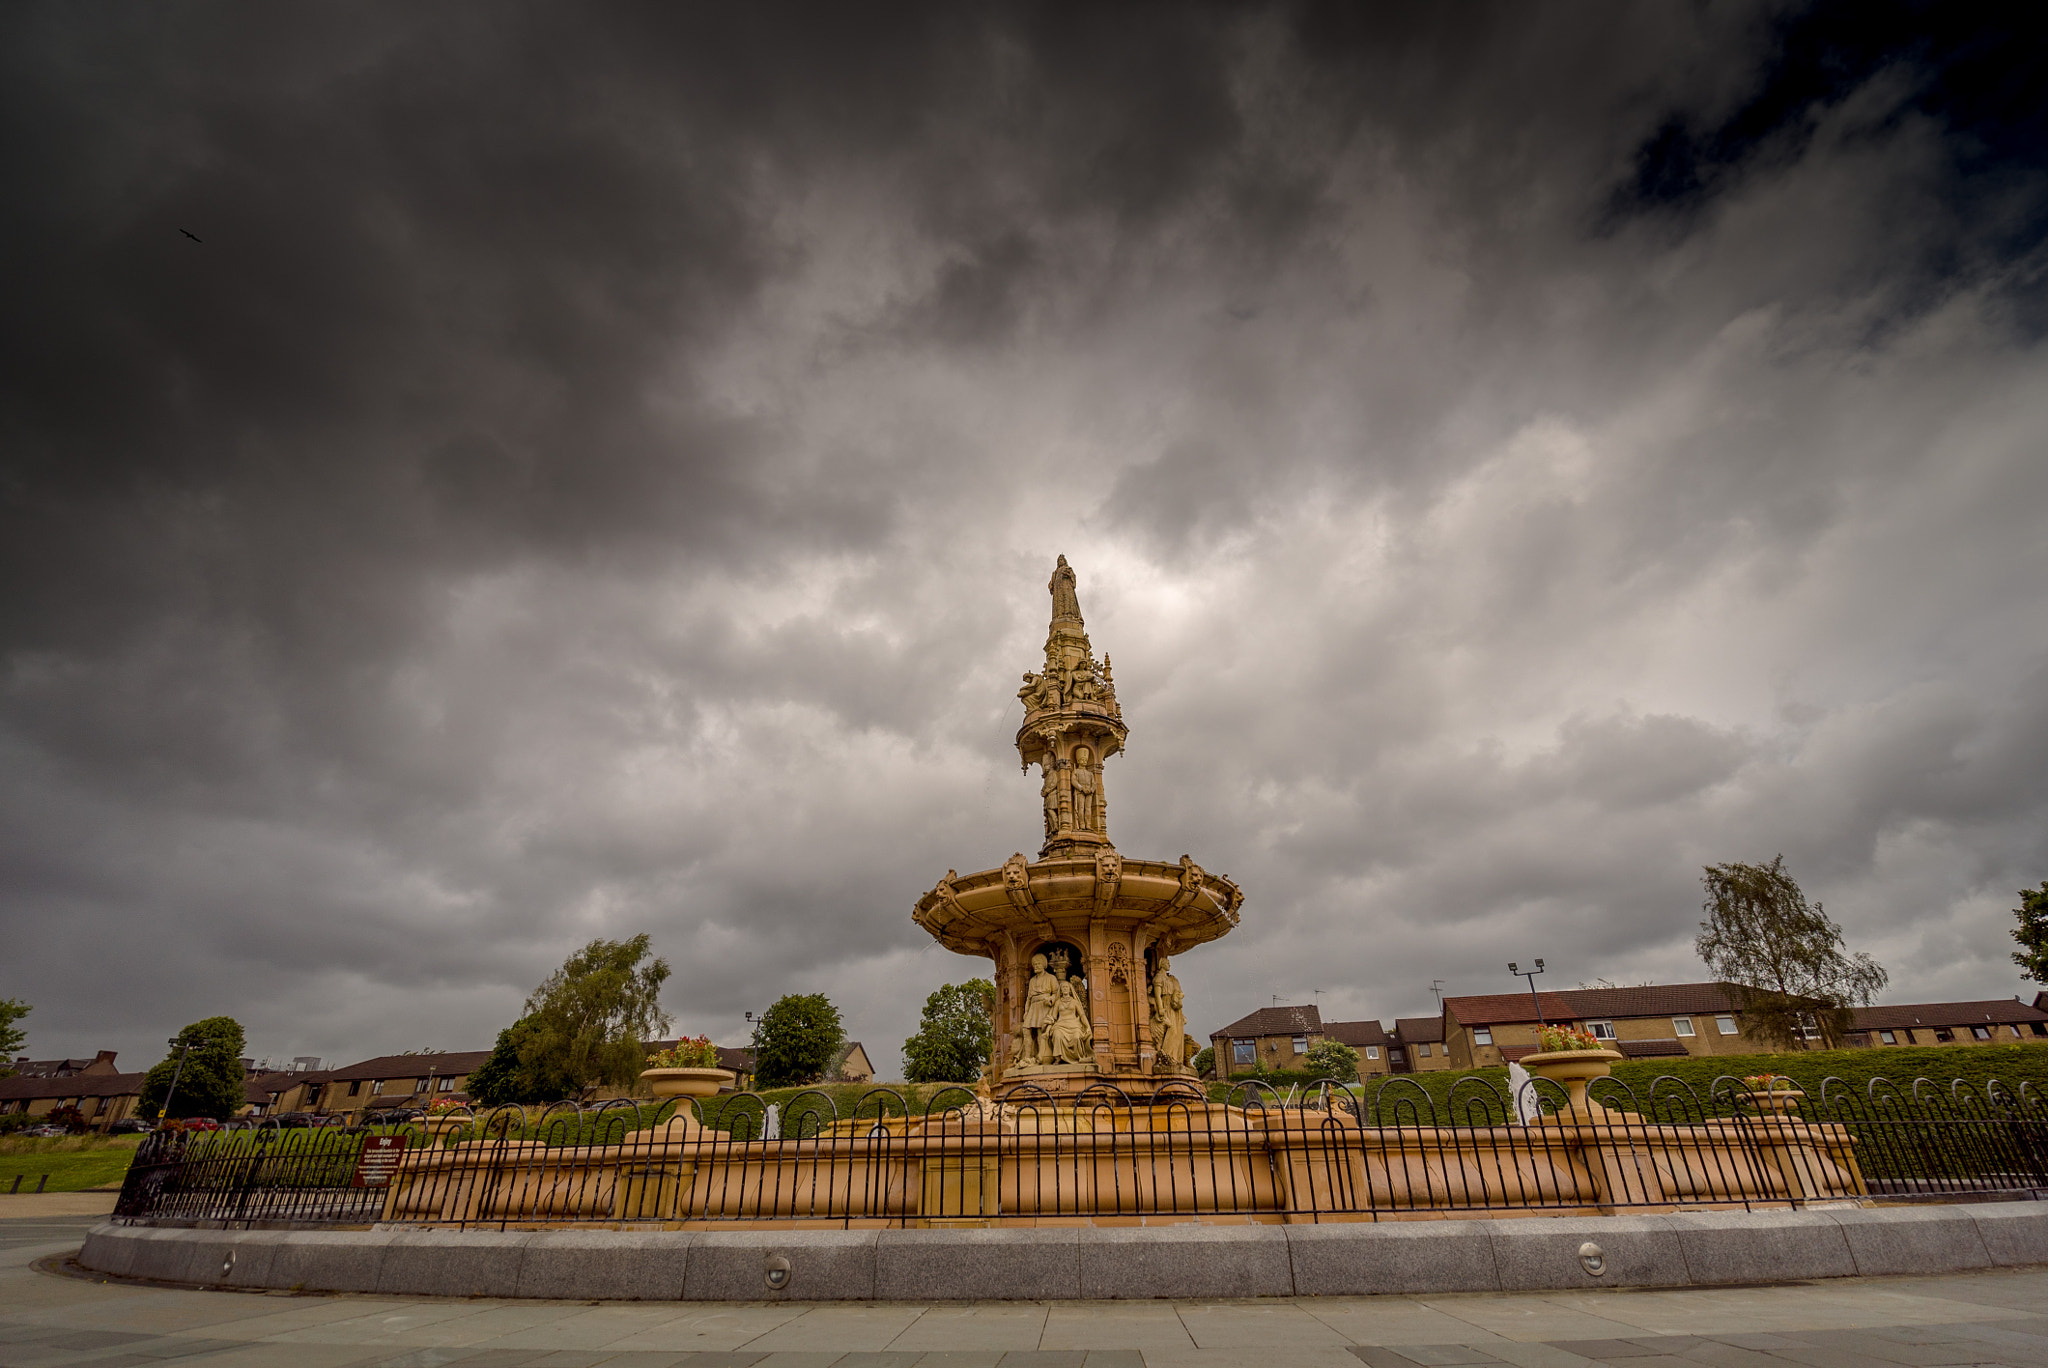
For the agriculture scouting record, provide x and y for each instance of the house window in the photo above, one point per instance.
(1372, 1052)
(1981, 1032)
(1301, 1044)
(1243, 1052)
(377, 1085)
(1725, 1025)
(1888, 1037)
(2039, 1028)
(1809, 1029)
(355, 1085)
(1600, 1030)
(1482, 1035)
(1422, 1051)
(1681, 1026)
(1944, 1035)
(447, 1085)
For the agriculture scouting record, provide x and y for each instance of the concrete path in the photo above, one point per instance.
(1994, 1317)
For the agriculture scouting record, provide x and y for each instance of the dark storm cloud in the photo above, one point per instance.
(483, 477)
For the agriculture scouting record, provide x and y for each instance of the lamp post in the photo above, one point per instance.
(165, 1110)
(1530, 974)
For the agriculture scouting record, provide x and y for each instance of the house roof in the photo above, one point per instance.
(1355, 1032)
(1997, 1012)
(1275, 1021)
(448, 1063)
(739, 1061)
(1580, 1004)
(102, 1063)
(1419, 1030)
(32, 1088)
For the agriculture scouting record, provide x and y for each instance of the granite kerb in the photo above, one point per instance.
(1686, 1249)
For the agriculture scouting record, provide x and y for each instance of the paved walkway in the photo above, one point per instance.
(1983, 1318)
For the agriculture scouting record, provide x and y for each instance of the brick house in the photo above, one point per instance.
(1369, 1038)
(388, 1081)
(1997, 1022)
(1277, 1037)
(1417, 1045)
(1671, 1019)
(101, 1096)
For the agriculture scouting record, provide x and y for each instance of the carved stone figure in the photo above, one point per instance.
(1060, 962)
(1041, 1009)
(1119, 963)
(1065, 602)
(1169, 1017)
(1054, 794)
(1086, 784)
(1072, 1037)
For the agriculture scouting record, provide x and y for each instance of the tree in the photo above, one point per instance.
(585, 1024)
(955, 1037)
(1333, 1059)
(502, 1079)
(2031, 933)
(211, 1081)
(1204, 1060)
(795, 1039)
(12, 1037)
(1782, 961)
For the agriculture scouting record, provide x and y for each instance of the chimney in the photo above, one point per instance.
(104, 1057)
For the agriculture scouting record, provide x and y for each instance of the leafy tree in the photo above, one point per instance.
(955, 1037)
(12, 1037)
(2031, 933)
(1203, 1060)
(211, 1083)
(501, 1078)
(584, 1025)
(1333, 1059)
(795, 1040)
(1782, 961)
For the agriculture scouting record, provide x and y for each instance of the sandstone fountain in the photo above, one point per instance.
(1081, 938)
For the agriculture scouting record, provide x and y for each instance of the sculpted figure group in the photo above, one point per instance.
(1056, 1025)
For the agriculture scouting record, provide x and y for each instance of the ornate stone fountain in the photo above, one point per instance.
(1081, 937)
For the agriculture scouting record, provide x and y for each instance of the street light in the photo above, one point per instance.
(177, 1073)
(1530, 974)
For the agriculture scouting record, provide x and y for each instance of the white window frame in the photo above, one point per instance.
(1681, 1026)
(1372, 1052)
(1600, 1030)
(1981, 1032)
(1422, 1050)
(1725, 1024)
(1888, 1037)
(1300, 1044)
(1243, 1052)
(1482, 1035)
(376, 1086)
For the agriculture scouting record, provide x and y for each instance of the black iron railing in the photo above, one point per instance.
(1257, 1154)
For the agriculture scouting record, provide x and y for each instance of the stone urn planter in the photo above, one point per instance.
(1775, 1101)
(446, 1124)
(1572, 1070)
(687, 1082)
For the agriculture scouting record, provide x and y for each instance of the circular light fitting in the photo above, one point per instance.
(1592, 1258)
(775, 1272)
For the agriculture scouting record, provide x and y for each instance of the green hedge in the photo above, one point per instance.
(1393, 1100)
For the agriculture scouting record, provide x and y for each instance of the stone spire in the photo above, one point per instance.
(1071, 725)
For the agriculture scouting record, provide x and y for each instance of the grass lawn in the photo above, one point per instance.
(74, 1162)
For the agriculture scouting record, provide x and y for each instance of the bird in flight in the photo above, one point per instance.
(190, 234)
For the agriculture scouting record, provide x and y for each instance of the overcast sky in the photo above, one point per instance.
(596, 470)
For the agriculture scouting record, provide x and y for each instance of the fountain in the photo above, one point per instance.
(1081, 938)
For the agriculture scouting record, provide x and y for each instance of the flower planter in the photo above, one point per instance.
(687, 1082)
(1777, 1100)
(446, 1124)
(1572, 1070)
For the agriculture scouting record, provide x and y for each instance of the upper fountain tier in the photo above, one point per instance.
(1071, 725)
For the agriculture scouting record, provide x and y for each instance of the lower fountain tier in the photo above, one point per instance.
(1109, 921)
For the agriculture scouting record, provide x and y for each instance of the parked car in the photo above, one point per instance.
(134, 1125)
(200, 1123)
(44, 1132)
